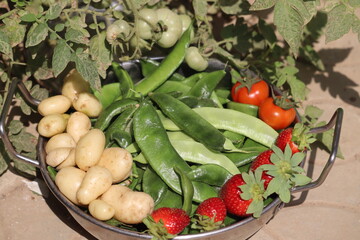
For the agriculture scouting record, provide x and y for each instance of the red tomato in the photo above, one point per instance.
(275, 116)
(259, 91)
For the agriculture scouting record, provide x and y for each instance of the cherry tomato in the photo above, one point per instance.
(275, 116)
(259, 91)
(195, 60)
(118, 29)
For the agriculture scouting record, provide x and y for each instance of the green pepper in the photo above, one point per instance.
(190, 122)
(113, 110)
(167, 67)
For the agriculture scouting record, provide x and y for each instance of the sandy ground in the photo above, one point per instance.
(329, 212)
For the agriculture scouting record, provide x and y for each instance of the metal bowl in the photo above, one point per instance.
(243, 229)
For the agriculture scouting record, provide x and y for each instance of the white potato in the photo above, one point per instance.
(134, 207)
(87, 103)
(96, 181)
(101, 210)
(89, 149)
(114, 194)
(54, 104)
(74, 84)
(78, 125)
(57, 156)
(60, 140)
(68, 180)
(69, 161)
(118, 161)
(51, 125)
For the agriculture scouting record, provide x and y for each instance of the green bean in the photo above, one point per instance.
(190, 122)
(249, 126)
(148, 66)
(194, 102)
(211, 174)
(153, 185)
(140, 159)
(236, 138)
(172, 86)
(244, 108)
(171, 199)
(187, 189)
(191, 80)
(195, 152)
(113, 110)
(240, 159)
(152, 139)
(206, 85)
(126, 83)
(167, 67)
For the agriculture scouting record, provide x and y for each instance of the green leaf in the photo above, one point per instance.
(354, 3)
(356, 27)
(5, 46)
(310, 55)
(87, 69)
(55, 10)
(15, 127)
(255, 208)
(297, 158)
(233, 7)
(339, 23)
(313, 112)
(100, 53)
(200, 8)
(284, 193)
(290, 17)
(298, 88)
(326, 138)
(76, 36)
(262, 5)
(140, 3)
(17, 30)
(24, 141)
(300, 180)
(59, 27)
(36, 34)
(39, 93)
(30, 17)
(61, 57)
(268, 32)
(4, 159)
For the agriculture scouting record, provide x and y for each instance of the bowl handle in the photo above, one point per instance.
(15, 84)
(336, 120)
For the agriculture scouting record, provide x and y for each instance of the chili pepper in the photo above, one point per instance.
(228, 119)
(111, 111)
(244, 108)
(116, 131)
(190, 122)
(206, 85)
(155, 145)
(211, 174)
(153, 185)
(187, 189)
(167, 66)
(148, 66)
(126, 83)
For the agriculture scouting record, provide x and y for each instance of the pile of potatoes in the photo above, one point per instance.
(89, 174)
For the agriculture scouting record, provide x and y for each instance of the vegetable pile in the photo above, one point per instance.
(171, 154)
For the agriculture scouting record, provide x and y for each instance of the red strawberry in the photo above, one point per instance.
(243, 194)
(210, 214)
(261, 159)
(285, 137)
(167, 221)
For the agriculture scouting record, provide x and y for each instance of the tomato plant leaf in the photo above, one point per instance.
(61, 57)
(339, 23)
(200, 8)
(5, 46)
(29, 17)
(234, 6)
(100, 53)
(356, 27)
(262, 5)
(55, 10)
(76, 36)
(4, 159)
(36, 34)
(326, 138)
(140, 3)
(268, 32)
(87, 69)
(310, 55)
(17, 30)
(24, 141)
(15, 127)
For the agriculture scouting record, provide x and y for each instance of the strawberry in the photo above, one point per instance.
(298, 138)
(261, 159)
(165, 222)
(210, 214)
(243, 194)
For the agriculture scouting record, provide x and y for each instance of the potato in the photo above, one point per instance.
(87, 103)
(114, 194)
(101, 210)
(78, 125)
(68, 180)
(51, 125)
(89, 149)
(96, 181)
(60, 140)
(69, 161)
(74, 84)
(134, 207)
(118, 161)
(54, 104)
(57, 156)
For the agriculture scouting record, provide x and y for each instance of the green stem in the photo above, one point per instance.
(5, 15)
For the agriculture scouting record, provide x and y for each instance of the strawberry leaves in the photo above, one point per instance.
(286, 172)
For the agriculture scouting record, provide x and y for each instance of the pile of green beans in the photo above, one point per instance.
(186, 137)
